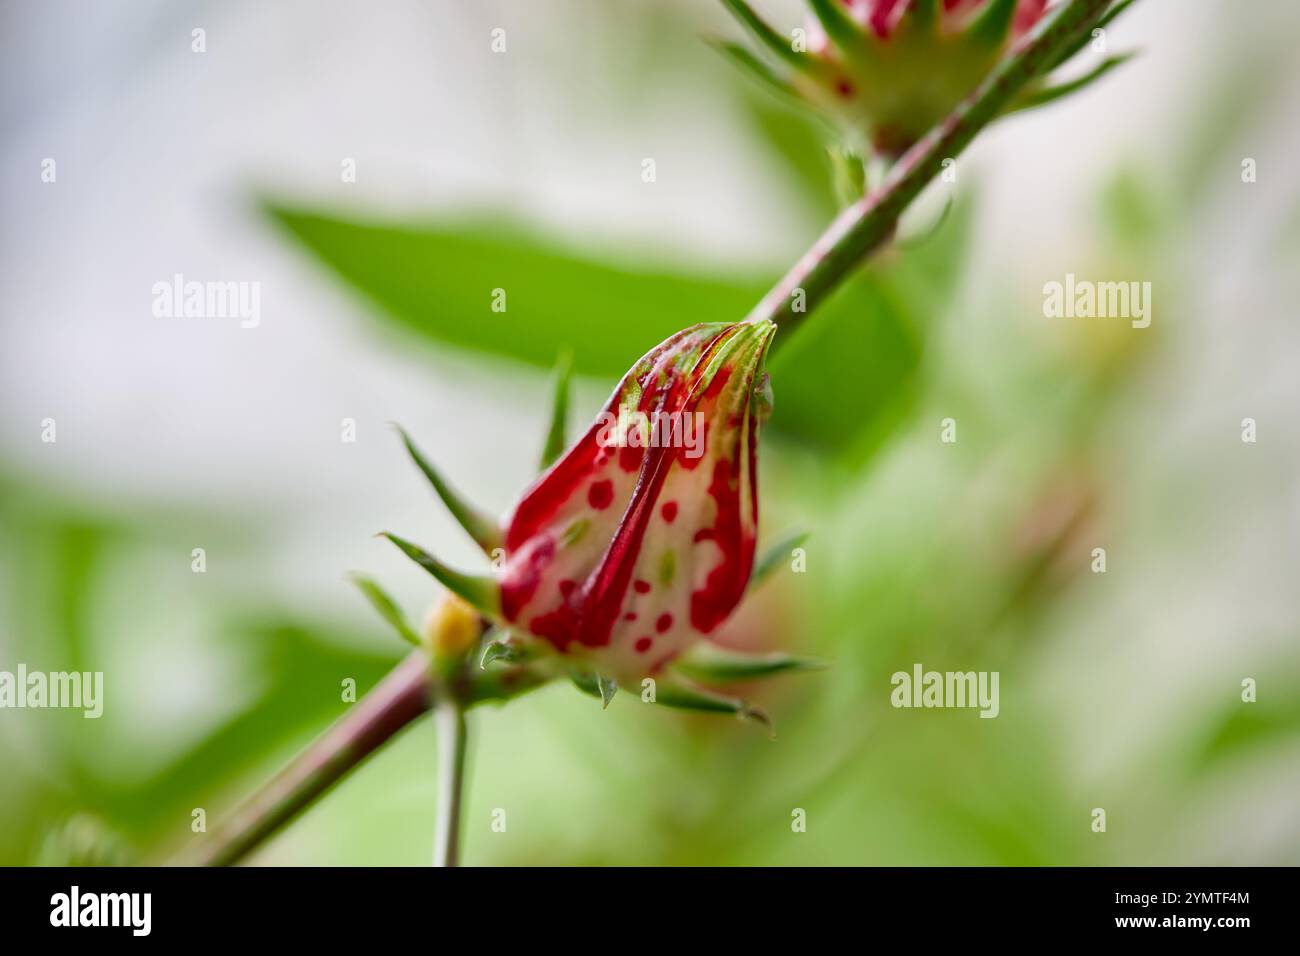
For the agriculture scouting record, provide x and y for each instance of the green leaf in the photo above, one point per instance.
(387, 608)
(479, 591)
(437, 280)
(555, 435)
(845, 379)
(716, 665)
(478, 525)
(841, 383)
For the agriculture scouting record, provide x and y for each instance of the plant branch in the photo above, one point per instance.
(452, 741)
(397, 700)
(408, 691)
(864, 226)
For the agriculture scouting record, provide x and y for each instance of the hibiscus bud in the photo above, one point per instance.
(640, 539)
(886, 71)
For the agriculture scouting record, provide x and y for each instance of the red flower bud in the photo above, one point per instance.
(640, 539)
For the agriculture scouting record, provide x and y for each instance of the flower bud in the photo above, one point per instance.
(887, 70)
(640, 539)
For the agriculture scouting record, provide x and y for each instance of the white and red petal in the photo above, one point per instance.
(627, 555)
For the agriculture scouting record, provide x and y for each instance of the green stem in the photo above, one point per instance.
(453, 738)
(401, 697)
(867, 224)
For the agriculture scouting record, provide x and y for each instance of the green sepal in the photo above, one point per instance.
(752, 64)
(480, 591)
(992, 25)
(501, 684)
(555, 434)
(387, 608)
(775, 43)
(848, 174)
(478, 525)
(595, 685)
(842, 29)
(921, 13)
(683, 695)
(1085, 34)
(1050, 94)
(772, 558)
(499, 650)
(716, 665)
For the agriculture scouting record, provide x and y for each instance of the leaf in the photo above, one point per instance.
(841, 384)
(437, 280)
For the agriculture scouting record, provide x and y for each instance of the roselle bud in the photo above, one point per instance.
(886, 71)
(640, 540)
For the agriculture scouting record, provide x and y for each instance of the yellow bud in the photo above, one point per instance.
(452, 628)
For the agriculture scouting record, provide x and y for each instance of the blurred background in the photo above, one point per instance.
(522, 170)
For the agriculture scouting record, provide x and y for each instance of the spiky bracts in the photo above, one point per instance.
(885, 71)
(634, 545)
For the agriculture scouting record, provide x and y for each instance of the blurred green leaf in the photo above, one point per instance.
(438, 280)
(1273, 719)
(841, 384)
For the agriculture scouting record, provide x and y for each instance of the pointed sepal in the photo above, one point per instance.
(774, 557)
(753, 65)
(387, 608)
(595, 685)
(991, 26)
(921, 15)
(1085, 35)
(843, 30)
(478, 525)
(710, 664)
(481, 592)
(555, 433)
(683, 695)
(505, 647)
(780, 47)
(1049, 94)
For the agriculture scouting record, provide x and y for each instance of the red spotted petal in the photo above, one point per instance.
(626, 555)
